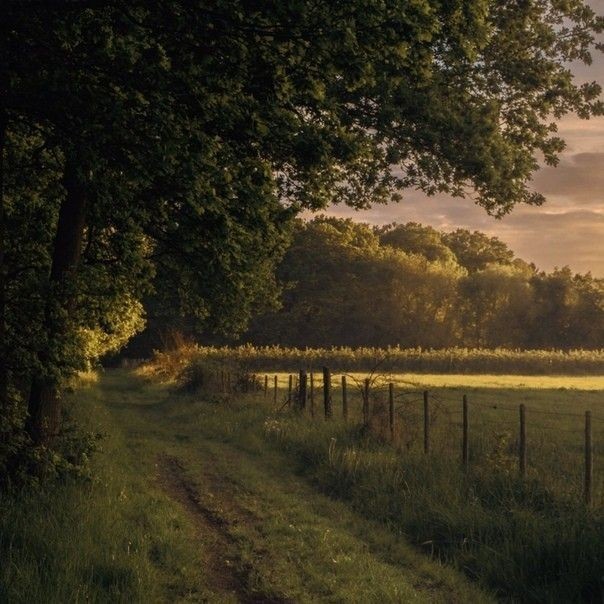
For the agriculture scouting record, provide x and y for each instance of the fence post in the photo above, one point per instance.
(275, 390)
(588, 459)
(426, 422)
(366, 402)
(344, 399)
(290, 385)
(327, 392)
(229, 382)
(522, 444)
(312, 394)
(391, 409)
(265, 386)
(465, 447)
(302, 390)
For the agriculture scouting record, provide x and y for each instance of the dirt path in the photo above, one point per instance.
(226, 573)
(259, 531)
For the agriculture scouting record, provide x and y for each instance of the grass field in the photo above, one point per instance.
(530, 539)
(555, 412)
(193, 503)
(200, 496)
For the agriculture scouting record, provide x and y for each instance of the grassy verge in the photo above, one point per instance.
(514, 537)
(118, 538)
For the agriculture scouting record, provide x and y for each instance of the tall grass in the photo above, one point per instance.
(412, 360)
(514, 537)
(114, 538)
(530, 540)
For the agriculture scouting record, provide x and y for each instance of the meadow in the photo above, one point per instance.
(206, 487)
(554, 415)
(189, 501)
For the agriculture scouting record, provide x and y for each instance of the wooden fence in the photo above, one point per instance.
(301, 396)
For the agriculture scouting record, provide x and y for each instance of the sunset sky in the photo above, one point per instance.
(567, 230)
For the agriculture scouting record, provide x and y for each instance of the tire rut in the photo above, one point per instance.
(226, 573)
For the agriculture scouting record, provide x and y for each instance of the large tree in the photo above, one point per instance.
(183, 136)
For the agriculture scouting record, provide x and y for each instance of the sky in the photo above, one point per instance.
(567, 230)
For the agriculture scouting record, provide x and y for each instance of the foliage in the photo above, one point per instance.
(347, 284)
(218, 379)
(27, 465)
(414, 238)
(476, 251)
(179, 139)
(120, 325)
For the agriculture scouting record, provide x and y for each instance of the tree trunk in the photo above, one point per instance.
(3, 351)
(44, 399)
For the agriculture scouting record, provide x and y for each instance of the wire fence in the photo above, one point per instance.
(561, 449)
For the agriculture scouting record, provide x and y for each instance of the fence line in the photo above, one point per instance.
(301, 395)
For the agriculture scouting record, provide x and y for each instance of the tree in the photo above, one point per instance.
(475, 251)
(342, 287)
(184, 136)
(415, 238)
(494, 307)
(569, 310)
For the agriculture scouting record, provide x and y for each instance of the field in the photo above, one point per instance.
(398, 360)
(554, 409)
(191, 503)
(528, 538)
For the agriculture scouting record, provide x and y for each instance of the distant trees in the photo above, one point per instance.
(349, 284)
(568, 310)
(475, 251)
(414, 238)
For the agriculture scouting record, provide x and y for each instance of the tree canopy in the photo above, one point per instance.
(348, 284)
(182, 138)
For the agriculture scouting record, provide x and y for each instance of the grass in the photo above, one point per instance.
(555, 410)
(117, 538)
(210, 498)
(237, 508)
(514, 537)
(397, 360)
(527, 540)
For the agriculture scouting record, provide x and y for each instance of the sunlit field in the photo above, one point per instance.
(471, 361)
(555, 417)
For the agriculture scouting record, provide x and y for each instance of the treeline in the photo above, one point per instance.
(409, 285)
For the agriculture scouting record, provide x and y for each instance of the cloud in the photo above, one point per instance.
(574, 238)
(578, 179)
